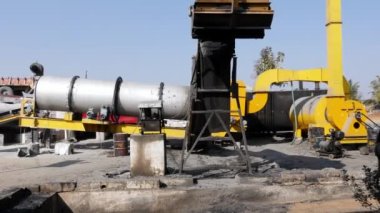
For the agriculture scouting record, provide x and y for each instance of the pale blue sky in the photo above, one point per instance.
(150, 41)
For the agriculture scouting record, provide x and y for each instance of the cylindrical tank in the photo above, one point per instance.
(83, 94)
(52, 93)
(175, 98)
(297, 107)
(274, 117)
(80, 95)
(310, 110)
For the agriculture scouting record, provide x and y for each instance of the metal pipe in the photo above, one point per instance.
(79, 95)
(4, 107)
(334, 48)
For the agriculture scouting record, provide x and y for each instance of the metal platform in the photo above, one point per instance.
(231, 18)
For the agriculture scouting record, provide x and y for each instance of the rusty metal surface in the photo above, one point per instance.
(120, 144)
(237, 19)
(16, 81)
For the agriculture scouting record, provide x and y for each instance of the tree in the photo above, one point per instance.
(375, 86)
(268, 60)
(354, 89)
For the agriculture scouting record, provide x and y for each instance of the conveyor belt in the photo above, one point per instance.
(10, 116)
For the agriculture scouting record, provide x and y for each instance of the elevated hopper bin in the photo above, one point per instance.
(232, 18)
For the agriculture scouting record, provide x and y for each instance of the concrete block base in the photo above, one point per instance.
(100, 136)
(64, 148)
(148, 157)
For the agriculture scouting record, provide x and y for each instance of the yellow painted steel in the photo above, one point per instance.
(87, 125)
(334, 62)
(340, 111)
(335, 110)
(313, 114)
(235, 118)
(265, 80)
(334, 48)
(9, 118)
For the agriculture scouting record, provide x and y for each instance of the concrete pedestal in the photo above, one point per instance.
(100, 136)
(148, 156)
(1, 140)
(26, 138)
(64, 148)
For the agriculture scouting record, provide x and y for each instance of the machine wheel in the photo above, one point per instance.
(6, 91)
(331, 156)
(364, 150)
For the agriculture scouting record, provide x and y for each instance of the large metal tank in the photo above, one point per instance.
(310, 110)
(312, 119)
(274, 117)
(175, 98)
(80, 95)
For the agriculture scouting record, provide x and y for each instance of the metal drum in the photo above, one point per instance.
(120, 144)
(80, 95)
(175, 98)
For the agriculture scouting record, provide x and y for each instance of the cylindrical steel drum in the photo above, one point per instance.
(120, 144)
(92, 93)
(310, 110)
(174, 98)
(52, 93)
(80, 95)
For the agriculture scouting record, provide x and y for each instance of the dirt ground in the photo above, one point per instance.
(93, 160)
(375, 116)
(215, 168)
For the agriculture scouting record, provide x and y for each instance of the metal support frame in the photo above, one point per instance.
(211, 114)
(216, 113)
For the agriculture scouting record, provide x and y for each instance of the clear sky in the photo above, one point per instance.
(149, 40)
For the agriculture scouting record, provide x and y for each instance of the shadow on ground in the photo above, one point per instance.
(95, 145)
(9, 150)
(66, 163)
(296, 161)
(269, 158)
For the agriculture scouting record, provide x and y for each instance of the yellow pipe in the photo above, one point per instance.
(266, 79)
(334, 48)
(335, 96)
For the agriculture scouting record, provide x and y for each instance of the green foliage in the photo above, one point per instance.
(354, 89)
(369, 102)
(268, 60)
(375, 86)
(367, 193)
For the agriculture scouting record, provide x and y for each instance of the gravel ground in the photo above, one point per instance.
(93, 160)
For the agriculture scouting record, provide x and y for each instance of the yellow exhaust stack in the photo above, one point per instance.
(316, 116)
(340, 111)
(334, 48)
